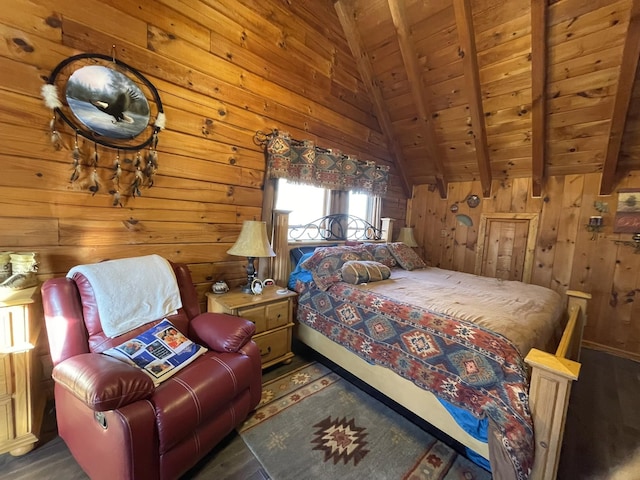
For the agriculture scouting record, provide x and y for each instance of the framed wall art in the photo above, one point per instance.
(105, 105)
(627, 219)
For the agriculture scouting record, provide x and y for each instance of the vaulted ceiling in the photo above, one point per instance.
(490, 89)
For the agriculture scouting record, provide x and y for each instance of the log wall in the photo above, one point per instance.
(567, 255)
(224, 70)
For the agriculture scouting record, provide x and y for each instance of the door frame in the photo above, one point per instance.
(532, 236)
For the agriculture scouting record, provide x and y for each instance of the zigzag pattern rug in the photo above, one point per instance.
(313, 424)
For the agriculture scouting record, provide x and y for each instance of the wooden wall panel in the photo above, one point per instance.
(224, 70)
(567, 256)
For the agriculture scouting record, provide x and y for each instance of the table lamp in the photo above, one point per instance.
(252, 243)
(406, 237)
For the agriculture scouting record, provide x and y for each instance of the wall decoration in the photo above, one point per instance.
(627, 218)
(102, 102)
(465, 220)
(473, 201)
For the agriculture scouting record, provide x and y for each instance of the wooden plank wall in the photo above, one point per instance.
(224, 70)
(567, 256)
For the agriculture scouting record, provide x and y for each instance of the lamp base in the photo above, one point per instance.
(246, 289)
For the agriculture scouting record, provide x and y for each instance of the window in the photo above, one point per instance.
(305, 202)
(308, 203)
(359, 205)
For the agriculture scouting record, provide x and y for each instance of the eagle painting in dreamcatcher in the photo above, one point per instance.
(117, 107)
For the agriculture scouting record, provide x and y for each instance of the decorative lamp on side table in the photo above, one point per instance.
(272, 312)
(252, 243)
(21, 404)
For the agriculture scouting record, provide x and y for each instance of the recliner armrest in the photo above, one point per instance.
(102, 382)
(221, 332)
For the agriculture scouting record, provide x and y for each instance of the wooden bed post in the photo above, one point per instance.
(387, 229)
(281, 268)
(551, 379)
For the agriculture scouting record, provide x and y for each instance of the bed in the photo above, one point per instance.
(347, 322)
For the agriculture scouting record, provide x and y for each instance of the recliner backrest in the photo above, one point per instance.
(73, 323)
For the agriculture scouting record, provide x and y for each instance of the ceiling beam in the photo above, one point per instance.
(626, 78)
(468, 53)
(538, 96)
(416, 82)
(346, 15)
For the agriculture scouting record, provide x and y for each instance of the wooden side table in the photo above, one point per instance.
(21, 405)
(272, 312)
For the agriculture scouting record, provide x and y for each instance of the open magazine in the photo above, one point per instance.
(160, 351)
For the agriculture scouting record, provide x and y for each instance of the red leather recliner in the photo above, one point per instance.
(116, 423)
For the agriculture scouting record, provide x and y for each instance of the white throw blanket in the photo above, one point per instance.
(132, 291)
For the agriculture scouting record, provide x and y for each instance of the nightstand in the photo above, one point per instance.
(21, 404)
(272, 313)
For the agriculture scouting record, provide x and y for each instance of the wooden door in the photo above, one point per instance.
(506, 244)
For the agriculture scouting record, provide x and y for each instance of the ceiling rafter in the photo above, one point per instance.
(628, 68)
(416, 81)
(468, 53)
(346, 15)
(538, 96)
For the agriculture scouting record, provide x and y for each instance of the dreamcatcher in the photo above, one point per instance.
(115, 114)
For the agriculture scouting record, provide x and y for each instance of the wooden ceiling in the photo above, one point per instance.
(490, 89)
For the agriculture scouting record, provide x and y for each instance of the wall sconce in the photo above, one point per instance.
(635, 243)
(595, 226)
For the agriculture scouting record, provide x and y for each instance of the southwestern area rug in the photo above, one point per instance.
(313, 424)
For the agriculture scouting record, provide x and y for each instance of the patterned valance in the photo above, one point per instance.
(304, 162)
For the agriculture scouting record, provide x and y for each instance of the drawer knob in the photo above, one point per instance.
(267, 352)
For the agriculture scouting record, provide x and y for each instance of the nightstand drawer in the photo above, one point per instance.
(274, 344)
(256, 315)
(277, 314)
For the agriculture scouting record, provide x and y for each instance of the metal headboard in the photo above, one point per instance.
(339, 226)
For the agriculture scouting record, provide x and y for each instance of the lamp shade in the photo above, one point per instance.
(406, 237)
(252, 241)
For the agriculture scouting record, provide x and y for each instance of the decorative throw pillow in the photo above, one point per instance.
(364, 271)
(159, 351)
(325, 264)
(381, 254)
(405, 256)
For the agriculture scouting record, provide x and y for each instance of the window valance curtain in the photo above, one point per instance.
(304, 162)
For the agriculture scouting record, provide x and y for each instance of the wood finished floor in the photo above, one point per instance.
(602, 433)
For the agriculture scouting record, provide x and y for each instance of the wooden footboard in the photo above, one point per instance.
(551, 378)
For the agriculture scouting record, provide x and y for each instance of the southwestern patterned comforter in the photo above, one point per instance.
(460, 336)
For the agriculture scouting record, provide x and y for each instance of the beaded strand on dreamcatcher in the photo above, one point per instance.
(94, 185)
(137, 177)
(51, 100)
(152, 160)
(115, 179)
(77, 164)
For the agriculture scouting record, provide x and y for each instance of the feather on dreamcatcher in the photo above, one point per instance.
(110, 107)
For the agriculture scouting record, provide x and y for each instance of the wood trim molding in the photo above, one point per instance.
(346, 15)
(538, 96)
(613, 351)
(626, 79)
(416, 80)
(469, 55)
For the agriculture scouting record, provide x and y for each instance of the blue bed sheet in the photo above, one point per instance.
(476, 427)
(300, 273)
